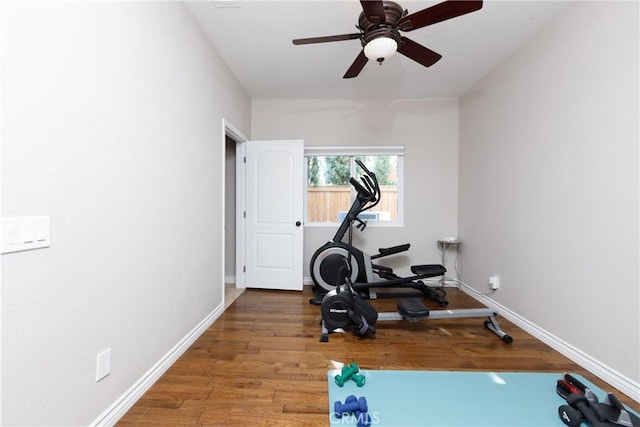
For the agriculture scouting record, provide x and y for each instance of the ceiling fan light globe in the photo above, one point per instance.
(380, 48)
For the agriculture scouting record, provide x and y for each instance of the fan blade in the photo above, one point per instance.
(374, 11)
(327, 39)
(357, 66)
(438, 13)
(418, 53)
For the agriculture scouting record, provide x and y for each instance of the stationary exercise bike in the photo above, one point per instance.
(329, 258)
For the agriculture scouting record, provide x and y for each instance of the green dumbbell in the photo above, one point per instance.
(350, 372)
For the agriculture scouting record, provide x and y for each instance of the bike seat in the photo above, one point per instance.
(428, 270)
(412, 308)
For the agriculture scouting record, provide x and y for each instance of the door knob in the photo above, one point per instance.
(298, 223)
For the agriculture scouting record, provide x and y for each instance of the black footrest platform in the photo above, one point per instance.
(412, 307)
(428, 270)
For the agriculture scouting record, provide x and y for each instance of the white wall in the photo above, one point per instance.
(112, 115)
(429, 131)
(549, 185)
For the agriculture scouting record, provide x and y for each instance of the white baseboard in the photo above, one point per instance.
(120, 407)
(597, 368)
(230, 279)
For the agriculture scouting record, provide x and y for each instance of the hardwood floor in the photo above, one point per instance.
(261, 362)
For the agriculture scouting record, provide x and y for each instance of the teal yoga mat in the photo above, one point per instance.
(436, 398)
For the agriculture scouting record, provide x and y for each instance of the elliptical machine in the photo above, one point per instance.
(327, 260)
(345, 308)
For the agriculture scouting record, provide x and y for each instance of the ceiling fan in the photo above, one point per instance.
(380, 23)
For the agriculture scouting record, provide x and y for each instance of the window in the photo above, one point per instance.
(329, 194)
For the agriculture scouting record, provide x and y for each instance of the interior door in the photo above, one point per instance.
(274, 214)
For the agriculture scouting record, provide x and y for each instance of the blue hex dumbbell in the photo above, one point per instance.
(350, 405)
(363, 418)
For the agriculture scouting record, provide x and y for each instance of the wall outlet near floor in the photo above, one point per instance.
(103, 364)
(494, 282)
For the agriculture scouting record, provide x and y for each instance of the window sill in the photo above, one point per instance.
(337, 224)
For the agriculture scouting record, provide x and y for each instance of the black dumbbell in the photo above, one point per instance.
(580, 402)
(570, 415)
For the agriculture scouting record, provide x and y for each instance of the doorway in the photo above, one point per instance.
(231, 292)
(277, 176)
(232, 286)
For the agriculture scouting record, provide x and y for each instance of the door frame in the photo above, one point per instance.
(229, 130)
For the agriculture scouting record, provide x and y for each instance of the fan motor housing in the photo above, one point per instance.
(372, 30)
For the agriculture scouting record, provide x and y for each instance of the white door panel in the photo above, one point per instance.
(274, 209)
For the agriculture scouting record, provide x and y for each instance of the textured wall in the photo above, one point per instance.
(549, 183)
(112, 116)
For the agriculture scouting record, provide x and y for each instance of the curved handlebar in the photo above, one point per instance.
(359, 188)
(369, 183)
(364, 168)
(370, 190)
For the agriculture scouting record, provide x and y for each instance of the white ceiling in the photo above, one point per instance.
(254, 39)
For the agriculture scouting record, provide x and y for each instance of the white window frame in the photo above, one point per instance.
(341, 150)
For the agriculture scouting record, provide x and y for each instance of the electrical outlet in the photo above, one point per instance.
(494, 282)
(103, 364)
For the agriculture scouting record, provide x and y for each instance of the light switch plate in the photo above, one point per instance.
(24, 233)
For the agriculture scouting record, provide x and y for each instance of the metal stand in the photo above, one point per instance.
(445, 245)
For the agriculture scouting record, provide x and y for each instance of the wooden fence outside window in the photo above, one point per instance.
(324, 203)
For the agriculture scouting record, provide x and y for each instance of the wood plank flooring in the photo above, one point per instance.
(261, 362)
